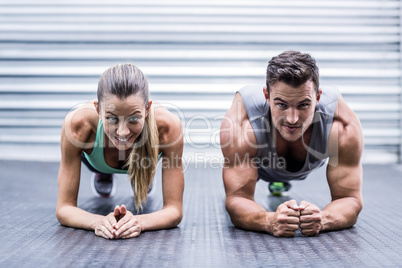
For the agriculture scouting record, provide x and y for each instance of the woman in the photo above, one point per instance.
(121, 132)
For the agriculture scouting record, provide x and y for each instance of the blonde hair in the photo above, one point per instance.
(123, 80)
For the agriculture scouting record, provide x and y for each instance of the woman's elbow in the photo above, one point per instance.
(177, 216)
(60, 215)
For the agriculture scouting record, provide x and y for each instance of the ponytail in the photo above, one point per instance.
(143, 160)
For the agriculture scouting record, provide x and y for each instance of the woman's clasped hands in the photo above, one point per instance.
(120, 223)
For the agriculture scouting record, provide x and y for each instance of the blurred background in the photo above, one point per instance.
(196, 54)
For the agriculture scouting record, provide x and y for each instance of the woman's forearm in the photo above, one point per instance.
(75, 217)
(168, 217)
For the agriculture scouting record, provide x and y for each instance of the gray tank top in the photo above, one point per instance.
(271, 167)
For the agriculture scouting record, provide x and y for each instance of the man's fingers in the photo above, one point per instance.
(303, 205)
(293, 213)
(285, 209)
(313, 217)
(310, 232)
(292, 204)
(311, 209)
(288, 231)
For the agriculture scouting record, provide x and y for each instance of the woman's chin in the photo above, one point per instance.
(122, 146)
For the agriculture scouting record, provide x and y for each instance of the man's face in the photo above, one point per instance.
(292, 109)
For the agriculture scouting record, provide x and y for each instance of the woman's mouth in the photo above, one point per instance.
(123, 140)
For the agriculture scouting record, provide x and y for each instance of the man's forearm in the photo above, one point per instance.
(341, 213)
(247, 214)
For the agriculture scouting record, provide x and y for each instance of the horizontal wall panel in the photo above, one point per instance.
(196, 55)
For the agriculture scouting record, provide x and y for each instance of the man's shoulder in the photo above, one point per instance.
(236, 132)
(253, 102)
(346, 138)
(252, 89)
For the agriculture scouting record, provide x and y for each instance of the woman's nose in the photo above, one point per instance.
(123, 130)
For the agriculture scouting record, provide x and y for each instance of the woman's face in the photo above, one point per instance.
(123, 119)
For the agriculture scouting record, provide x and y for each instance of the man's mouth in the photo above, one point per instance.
(291, 128)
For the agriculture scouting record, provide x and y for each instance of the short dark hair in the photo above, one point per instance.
(293, 68)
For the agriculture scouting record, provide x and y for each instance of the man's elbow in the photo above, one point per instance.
(229, 208)
(357, 210)
(359, 207)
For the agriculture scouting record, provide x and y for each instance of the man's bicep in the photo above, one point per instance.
(345, 181)
(344, 171)
(240, 179)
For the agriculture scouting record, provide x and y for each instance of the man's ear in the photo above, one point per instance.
(319, 95)
(96, 104)
(148, 108)
(266, 93)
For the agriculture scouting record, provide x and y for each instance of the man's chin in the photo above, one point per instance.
(290, 137)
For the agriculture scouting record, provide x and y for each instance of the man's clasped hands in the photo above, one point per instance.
(290, 216)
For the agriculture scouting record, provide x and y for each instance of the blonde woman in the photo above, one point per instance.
(121, 132)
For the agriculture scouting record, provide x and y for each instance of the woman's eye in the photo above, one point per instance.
(133, 120)
(113, 120)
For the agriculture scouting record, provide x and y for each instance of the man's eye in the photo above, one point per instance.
(281, 105)
(303, 105)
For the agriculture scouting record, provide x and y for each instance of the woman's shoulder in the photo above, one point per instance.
(169, 125)
(81, 124)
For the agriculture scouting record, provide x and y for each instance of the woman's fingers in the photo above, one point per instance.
(132, 231)
(123, 210)
(104, 227)
(116, 211)
(131, 235)
(129, 227)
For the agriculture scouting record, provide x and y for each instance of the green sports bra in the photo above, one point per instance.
(96, 157)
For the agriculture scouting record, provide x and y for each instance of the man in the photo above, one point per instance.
(282, 132)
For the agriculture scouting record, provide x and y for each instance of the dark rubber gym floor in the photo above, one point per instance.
(30, 235)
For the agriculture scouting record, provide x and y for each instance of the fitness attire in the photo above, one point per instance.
(95, 161)
(102, 180)
(270, 167)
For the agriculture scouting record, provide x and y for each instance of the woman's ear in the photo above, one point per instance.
(148, 108)
(96, 104)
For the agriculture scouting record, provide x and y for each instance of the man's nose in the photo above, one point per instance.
(292, 117)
